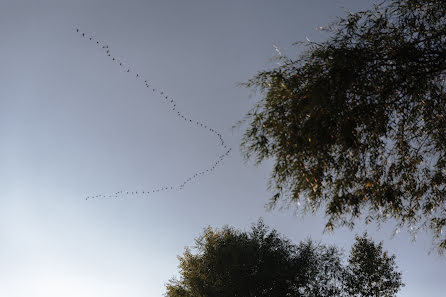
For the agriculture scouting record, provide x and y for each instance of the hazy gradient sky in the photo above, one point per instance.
(74, 124)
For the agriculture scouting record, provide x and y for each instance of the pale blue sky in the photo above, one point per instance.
(73, 124)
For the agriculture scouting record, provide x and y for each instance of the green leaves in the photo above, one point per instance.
(261, 263)
(371, 272)
(357, 123)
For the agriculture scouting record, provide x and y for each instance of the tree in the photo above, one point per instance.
(371, 272)
(262, 263)
(357, 124)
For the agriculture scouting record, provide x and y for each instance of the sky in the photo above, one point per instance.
(73, 124)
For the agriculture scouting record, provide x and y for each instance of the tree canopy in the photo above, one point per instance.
(371, 271)
(356, 124)
(262, 263)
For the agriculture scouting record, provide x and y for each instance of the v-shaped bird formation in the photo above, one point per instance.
(173, 107)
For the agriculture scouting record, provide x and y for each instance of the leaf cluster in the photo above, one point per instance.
(357, 124)
(262, 263)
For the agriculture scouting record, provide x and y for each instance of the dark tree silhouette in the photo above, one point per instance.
(371, 272)
(356, 124)
(262, 263)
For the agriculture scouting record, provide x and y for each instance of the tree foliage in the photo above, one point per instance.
(262, 263)
(371, 271)
(357, 124)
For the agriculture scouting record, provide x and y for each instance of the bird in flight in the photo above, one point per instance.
(162, 93)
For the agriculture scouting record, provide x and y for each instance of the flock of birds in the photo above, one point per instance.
(173, 106)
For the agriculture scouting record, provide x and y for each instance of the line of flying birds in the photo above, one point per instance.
(173, 106)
